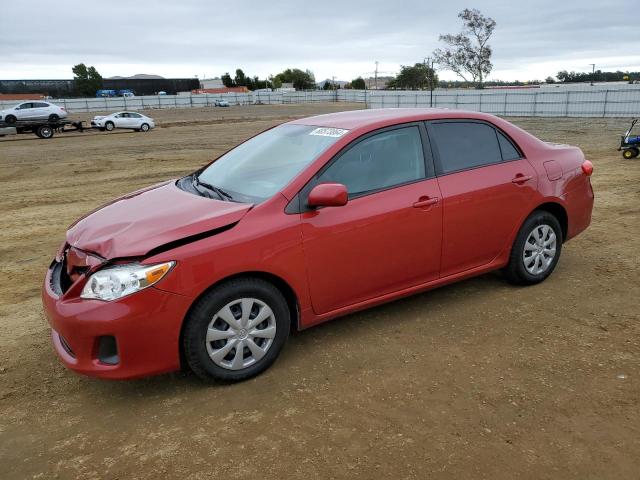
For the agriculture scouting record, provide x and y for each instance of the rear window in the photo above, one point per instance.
(509, 151)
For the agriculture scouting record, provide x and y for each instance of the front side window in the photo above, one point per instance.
(381, 161)
(25, 106)
(260, 167)
(464, 145)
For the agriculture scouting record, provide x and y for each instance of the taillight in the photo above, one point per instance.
(587, 168)
(63, 109)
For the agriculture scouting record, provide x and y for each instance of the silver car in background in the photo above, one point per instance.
(33, 110)
(132, 120)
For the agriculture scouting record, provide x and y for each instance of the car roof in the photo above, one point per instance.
(380, 117)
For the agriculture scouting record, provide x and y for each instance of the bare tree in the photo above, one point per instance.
(467, 54)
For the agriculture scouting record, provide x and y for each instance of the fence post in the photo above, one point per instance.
(535, 103)
(566, 110)
(125, 102)
(456, 105)
(504, 110)
(604, 106)
(480, 103)
(398, 100)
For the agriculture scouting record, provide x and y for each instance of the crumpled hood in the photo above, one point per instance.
(133, 225)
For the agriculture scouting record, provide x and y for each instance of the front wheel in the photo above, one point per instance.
(10, 119)
(236, 330)
(536, 250)
(630, 153)
(109, 126)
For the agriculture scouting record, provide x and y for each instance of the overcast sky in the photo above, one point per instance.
(184, 38)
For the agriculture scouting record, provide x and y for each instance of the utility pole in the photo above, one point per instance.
(376, 75)
(333, 82)
(427, 62)
(593, 72)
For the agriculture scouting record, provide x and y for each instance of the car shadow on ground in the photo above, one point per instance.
(329, 336)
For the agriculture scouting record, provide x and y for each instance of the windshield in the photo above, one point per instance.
(260, 167)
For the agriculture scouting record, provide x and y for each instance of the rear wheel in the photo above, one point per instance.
(144, 127)
(630, 153)
(109, 126)
(54, 118)
(236, 330)
(536, 250)
(10, 119)
(44, 131)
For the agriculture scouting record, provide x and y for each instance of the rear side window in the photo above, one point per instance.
(509, 152)
(464, 145)
(381, 161)
(40, 105)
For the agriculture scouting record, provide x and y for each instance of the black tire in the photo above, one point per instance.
(144, 127)
(515, 271)
(44, 131)
(54, 118)
(10, 119)
(202, 313)
(109, 126)
(630, 153)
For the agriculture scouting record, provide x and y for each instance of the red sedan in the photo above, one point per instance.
(307, 221)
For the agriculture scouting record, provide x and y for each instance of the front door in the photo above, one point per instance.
(388, 236)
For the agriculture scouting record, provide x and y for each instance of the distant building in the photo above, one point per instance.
(66, 88)
(221, 90)
(211, 83)
(285, 87)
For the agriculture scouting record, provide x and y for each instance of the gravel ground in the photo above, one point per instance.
(475, 380)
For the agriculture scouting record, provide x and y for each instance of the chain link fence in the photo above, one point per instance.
(542, 102)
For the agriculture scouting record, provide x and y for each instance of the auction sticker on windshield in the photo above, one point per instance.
(328, 132)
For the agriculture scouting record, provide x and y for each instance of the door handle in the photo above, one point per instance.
(426, 202)
(521, 178)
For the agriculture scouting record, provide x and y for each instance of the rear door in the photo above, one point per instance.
(40, 110)
(388, 236)
(487, 188)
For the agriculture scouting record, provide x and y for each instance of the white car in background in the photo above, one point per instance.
(220, 103)
(132, 120)
(33, 110)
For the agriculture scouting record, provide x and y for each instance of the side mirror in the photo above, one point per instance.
(328, 195)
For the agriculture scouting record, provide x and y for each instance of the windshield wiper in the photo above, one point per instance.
(223, 195)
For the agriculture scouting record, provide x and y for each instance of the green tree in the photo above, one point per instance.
(240, 79)
(301, 80)
(227, 81)
(468, 53)
(418, 77)
(87, 80)
(358, 84)
(550, 79)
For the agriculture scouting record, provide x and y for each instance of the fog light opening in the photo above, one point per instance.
(108, 350)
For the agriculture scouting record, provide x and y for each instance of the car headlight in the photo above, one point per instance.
(119, 281)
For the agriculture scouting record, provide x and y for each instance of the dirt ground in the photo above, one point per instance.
(475, 380)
